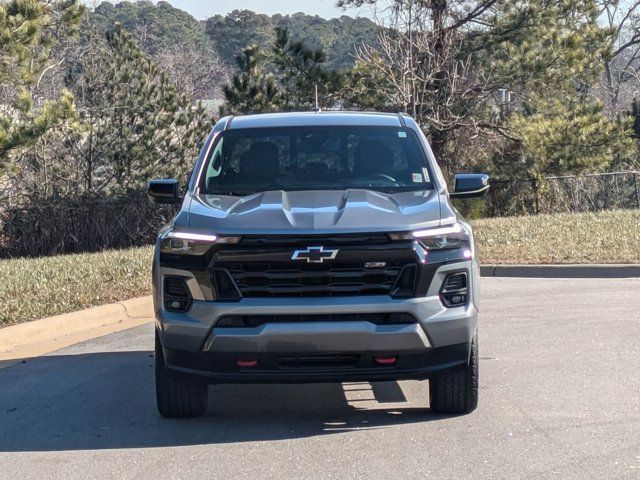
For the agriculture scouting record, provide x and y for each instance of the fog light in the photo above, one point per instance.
(457, 299)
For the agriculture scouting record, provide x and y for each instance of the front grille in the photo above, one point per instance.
(318, 362)
(262, 279)
(253, 321)
(332, 240)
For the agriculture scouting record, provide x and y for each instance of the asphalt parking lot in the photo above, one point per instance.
(560, 398)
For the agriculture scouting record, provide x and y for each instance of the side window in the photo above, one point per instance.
(215, 165)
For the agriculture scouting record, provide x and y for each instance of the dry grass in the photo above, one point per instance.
(603, 237)
(40, 287)
(34, 288)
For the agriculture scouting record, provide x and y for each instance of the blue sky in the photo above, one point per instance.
(202, 9)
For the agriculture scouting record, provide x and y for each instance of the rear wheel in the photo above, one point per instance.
(178, 395)
(457, 392)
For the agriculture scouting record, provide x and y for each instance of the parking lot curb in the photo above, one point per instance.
(562, 271)
(39, 337)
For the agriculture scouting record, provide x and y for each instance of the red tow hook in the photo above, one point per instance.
(385, 360)
(242, 363)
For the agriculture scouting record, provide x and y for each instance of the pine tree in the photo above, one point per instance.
(567, 135)
(252, 89)
(28, 31)
(299, 70)
(550, 54)
(137, 125)
(282, 79)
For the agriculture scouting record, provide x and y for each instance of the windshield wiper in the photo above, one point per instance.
(230, 193)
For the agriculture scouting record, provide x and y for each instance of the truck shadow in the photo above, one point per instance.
(106, 401)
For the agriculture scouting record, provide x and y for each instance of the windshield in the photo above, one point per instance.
(247, 161)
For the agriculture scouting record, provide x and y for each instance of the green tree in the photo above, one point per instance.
(549, 55)
(284, 78)
(237, 31)
(137, 125)
(252, 89)
(155, 26)
(299, 69)
(338, 37)
(28, 31)
(366, 87)
(567, 135)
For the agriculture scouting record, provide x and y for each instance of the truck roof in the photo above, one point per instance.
(312, 119)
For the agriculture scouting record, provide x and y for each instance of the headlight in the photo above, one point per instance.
(192, 243)
(452, 236)
(439, 238)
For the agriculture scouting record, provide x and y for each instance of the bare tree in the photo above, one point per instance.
(423, 66)
(197, 72)
(621, 79)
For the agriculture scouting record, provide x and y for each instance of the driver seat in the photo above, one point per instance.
(260, 163)
(372, 157)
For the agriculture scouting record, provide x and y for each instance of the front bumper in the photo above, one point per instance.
(439, 340)
(285, 367)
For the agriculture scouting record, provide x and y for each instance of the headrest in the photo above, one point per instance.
(261, 161)
(371, 157)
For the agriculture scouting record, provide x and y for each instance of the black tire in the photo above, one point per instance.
(178, 395)
(457, 392)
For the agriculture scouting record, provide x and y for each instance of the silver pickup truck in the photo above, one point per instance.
(315, 247)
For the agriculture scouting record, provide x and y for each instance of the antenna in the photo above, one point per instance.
(316, 107)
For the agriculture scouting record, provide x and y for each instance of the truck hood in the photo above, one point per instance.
(313, 212)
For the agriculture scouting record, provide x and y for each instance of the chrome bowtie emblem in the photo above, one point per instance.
(315, 254)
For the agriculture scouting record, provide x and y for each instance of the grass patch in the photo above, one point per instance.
(41, 287)
(33, 288)
(602, 237)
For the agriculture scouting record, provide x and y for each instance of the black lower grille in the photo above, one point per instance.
(253, 321)
(177, 297)
(454, 292)
(319, 362)
(285, 279)
(456, 281)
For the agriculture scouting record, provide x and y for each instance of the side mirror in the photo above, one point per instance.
(165, 191)
(468, 185)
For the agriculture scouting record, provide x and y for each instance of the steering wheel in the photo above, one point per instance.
(380, 176)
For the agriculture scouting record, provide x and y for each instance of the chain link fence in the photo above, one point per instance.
(565, 194)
